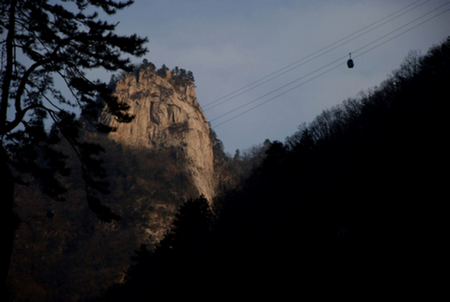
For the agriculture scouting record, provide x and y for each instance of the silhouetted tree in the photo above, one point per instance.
(162, 72)
(178, 259)
(183, 73)
(237, 154)
(55, 41)
(191, 223)
(218, 148)
(190, 76)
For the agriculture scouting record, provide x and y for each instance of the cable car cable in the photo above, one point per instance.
(409, 23)
(396, 36)
(208, 105)
(204, 106)
(357, 50)
(279, 88)
(328, 70)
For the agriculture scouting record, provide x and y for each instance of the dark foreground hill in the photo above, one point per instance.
(347, 206)
(73, 256)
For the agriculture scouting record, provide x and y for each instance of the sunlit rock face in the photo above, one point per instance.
(167, 114)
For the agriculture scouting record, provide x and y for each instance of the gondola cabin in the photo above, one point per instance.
(350, 63)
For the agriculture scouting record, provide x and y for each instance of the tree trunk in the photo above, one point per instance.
(7, 76)
(9, 218)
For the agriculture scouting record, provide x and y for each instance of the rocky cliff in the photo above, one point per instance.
(167, 114)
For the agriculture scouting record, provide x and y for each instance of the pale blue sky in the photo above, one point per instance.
(229, 44)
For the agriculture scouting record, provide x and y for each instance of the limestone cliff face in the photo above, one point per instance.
(167, 114)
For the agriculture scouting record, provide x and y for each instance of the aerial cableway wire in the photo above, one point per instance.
(297, 63)
(329, 64)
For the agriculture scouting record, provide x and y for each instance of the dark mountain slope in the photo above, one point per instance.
(347, 205)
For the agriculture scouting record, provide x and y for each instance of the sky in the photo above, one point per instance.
(231, 44)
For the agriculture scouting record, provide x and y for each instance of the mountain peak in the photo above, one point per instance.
(167, 114)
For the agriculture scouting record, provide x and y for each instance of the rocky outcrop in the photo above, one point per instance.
(167, 114)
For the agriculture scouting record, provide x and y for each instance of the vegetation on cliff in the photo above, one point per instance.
(179, 76)
(73, 256)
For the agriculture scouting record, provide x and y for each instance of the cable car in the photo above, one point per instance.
(350, 63)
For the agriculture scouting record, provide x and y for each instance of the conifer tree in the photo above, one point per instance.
(43, 41)
(191, 223)
(177, 257)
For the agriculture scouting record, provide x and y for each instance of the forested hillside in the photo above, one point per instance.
(348, 201)
(72, 256)
(347, 205)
